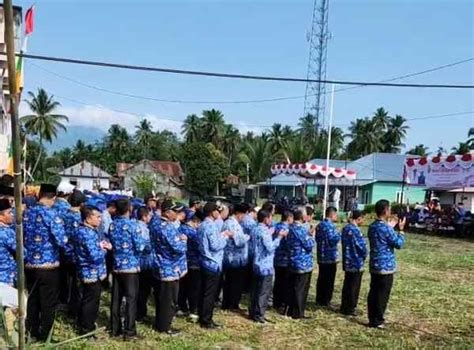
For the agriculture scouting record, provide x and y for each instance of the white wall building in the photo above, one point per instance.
(86, 176)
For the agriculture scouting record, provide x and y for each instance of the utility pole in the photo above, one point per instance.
(14, 100)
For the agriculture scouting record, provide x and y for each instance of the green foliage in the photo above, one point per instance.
(144, 184)
(205, 167)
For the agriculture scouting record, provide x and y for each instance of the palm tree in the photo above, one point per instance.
(287, 132)
(470, 139)
(297, 151)
(308, 128)
(381, 118)
(419, 150)
(118, 142)
(230, 141)
(143, 136)
(80, 151)
(366, 138)
(191, 128)
(396, 133)
(463, 148)
(278, 142)
(43, 123)
(257, 155)
(213, 125)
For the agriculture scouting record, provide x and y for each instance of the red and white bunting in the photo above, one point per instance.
(312, 170)
(449, 162)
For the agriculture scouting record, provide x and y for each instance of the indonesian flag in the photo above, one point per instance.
(29, 20)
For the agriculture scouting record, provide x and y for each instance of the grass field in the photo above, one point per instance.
(432, 305)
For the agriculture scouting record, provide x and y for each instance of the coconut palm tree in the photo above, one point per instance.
(257, 155)
(462, 148)
(396, 133)
(470, 140)
(308, 128)
(366, 138)
(118, 142)
(231, 141)
(297, 151)
(213, 126)
(143, 136)
(381, 118)
(191, 128)
(44, 122)
(419, 150)
(278, 141)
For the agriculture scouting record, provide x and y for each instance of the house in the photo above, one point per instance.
(168, 176)
(86, 176)
(380, 176)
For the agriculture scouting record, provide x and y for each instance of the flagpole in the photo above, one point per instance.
(10, 44)
(328, 154)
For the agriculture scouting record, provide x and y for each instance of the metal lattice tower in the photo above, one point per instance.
(315, 95)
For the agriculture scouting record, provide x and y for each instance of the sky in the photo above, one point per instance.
(371, 40)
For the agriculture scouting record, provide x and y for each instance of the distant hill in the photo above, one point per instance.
(74, 133)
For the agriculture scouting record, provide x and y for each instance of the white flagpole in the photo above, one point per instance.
(328, 154)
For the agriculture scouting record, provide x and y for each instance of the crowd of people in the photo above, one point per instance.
(189, 256)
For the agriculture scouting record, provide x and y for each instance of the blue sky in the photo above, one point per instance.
(371, 40)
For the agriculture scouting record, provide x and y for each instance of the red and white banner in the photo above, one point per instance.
(312, 170)
(454, 171)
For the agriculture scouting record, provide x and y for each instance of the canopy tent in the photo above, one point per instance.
(285, 180)
(282, 185)
(311, 170)
(451, 172)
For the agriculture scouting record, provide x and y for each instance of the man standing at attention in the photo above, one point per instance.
(383, 240)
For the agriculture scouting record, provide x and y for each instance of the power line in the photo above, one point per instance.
(235, 76)
(276, 99)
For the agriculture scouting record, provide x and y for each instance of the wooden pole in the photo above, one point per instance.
(14, 100)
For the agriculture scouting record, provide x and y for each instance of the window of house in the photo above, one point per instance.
(366, 197)
(74, 182)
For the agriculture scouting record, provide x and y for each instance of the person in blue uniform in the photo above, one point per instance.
(8, 269)
(281, 286)
(127, 246)
(44, 237)
(383, 241)
(146, 263)
(8, 193)
(235, 259)
(300, 243)
(211, 248)
(327, 239)
(69, 293)
(248, 222)
(107, 217)
(61, 205)
(169, 246)
(354, 253)
(263, 268)
(190, 284)
(89, 250)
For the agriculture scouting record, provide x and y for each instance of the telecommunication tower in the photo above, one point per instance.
(315, 95)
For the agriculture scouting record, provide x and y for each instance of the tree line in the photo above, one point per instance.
(209, 148)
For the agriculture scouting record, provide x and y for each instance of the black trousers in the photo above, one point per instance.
(145, 283)
(189, 287)
(259, 295)
(350, 291)
(325, 285)
(43, 289)
(281, 288)
(233, 287)
(124, 285)
(89, 306)
(207, 295)
(166, 304)
(299, 288)
(377, 300)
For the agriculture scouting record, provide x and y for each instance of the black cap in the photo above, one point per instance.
(242, 208)
(4, 204)
(209, 208)
(48, 188)
(7, 191)
(179, 207)
(194, 200)
(170, 205)
(77, 198)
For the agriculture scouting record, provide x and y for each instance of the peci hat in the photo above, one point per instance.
(48, 188)
(7, 191)
(170, 205)
(4, 204)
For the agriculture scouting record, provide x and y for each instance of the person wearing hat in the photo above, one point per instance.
(194, 204)
(127, 246)
(8, 193)
(61, 205)
(8, 269)
(90, 252)
(190, 284)
(249, 221)
(354, 253)
(44, 237)
(211, 248)
(169, 246)
(235, 258)
(72, 218)
(151, 202)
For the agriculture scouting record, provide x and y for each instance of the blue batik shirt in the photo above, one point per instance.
(192, 252)
(127, 245)
(300, 249)
(354, 249)
(61, 206)
(327, 239)
(236, 249)
(248, 223)
(90, 258)
(72, 219)
(211, 246)
(281, 253)
(105, 223)
(44, 237)
(146, 258)
(265, 247)
(219, 223)
(8, 271)
(170, 251)
(383, 240)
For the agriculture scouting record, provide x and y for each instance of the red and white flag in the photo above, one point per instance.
(29, 20)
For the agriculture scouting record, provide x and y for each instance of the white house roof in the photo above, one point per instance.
(85, 169)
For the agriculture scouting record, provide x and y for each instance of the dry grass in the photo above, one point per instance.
(432, 305)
